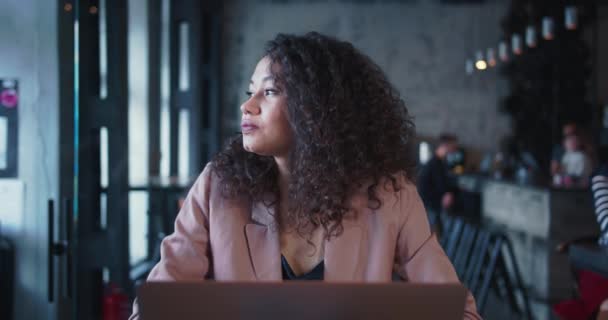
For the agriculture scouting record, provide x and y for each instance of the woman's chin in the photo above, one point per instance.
(251, 147)
(261, 149)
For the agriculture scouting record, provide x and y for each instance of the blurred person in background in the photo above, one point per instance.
(576, 164)
(585, 141)
(435, 185)
(569, 128)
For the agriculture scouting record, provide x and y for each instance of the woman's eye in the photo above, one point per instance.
(249, 93)
(270, 92)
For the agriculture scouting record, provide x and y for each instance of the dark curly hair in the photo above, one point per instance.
(350, 126)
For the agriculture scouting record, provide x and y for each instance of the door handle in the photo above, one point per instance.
(50, 260)
(68, 227)
(55, 249)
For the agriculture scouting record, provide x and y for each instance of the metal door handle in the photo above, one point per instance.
(56, 248)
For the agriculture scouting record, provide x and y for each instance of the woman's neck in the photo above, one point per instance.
(283, 182)
(284, 175)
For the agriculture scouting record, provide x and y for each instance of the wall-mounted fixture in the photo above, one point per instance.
(480, 63)
(9, 102)
(548, 28)
(571, 17)
(503, 51)
(491, 57)
(516, 44)
(531, 36)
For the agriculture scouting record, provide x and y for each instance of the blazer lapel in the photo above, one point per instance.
(343, 254)
(263, 244)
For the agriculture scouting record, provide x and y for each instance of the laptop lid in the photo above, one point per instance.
(299, 300)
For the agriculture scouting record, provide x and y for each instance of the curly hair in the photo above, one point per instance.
(351, 129)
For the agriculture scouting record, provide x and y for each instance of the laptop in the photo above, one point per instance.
(298, 300)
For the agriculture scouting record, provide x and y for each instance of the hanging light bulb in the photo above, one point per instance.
(531, 36)
(491, 57)
(571, 17)
(548, 33)
(480, 64)
(503, 51)
(516, 44)
(468, 66)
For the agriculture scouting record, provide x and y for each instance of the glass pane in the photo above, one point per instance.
(165, 143)
(103, 154)
(105, 176)
(103, 215)
(184, 61)
(103, 51)
(76, 112)
(184, 143)
(138, 91)
(138, 226)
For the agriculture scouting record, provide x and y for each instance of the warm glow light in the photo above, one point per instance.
(67, 7)
(480, 64)
(93, 10)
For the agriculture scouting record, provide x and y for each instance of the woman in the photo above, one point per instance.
(317, 186)
(576, 163)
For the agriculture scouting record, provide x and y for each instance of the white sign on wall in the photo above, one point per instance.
(11, 205)
(3, 142)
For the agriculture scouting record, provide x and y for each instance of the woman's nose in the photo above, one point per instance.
(250, 106)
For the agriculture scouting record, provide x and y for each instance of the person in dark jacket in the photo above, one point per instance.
(434, 183)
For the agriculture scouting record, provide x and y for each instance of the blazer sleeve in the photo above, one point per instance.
(184, 254)
(419, 256)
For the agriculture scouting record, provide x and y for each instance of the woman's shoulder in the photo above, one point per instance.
(209, 185)
(398, 183)
(394, 199)
(391, 192)
(205, 176)
(205, 183)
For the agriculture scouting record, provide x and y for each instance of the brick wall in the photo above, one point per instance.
(421, 45)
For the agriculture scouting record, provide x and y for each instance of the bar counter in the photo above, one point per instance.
(536, 219)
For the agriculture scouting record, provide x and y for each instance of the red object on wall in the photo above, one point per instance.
(9, 98)
(115, 304)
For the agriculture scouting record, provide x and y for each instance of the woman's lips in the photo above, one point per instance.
(248, 128)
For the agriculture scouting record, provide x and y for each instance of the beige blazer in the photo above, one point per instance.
(235, 240)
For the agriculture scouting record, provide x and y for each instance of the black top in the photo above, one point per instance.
(433, 182)
(315, 274)
(558, 152)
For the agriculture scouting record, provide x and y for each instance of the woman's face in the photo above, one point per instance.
(264, 124)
